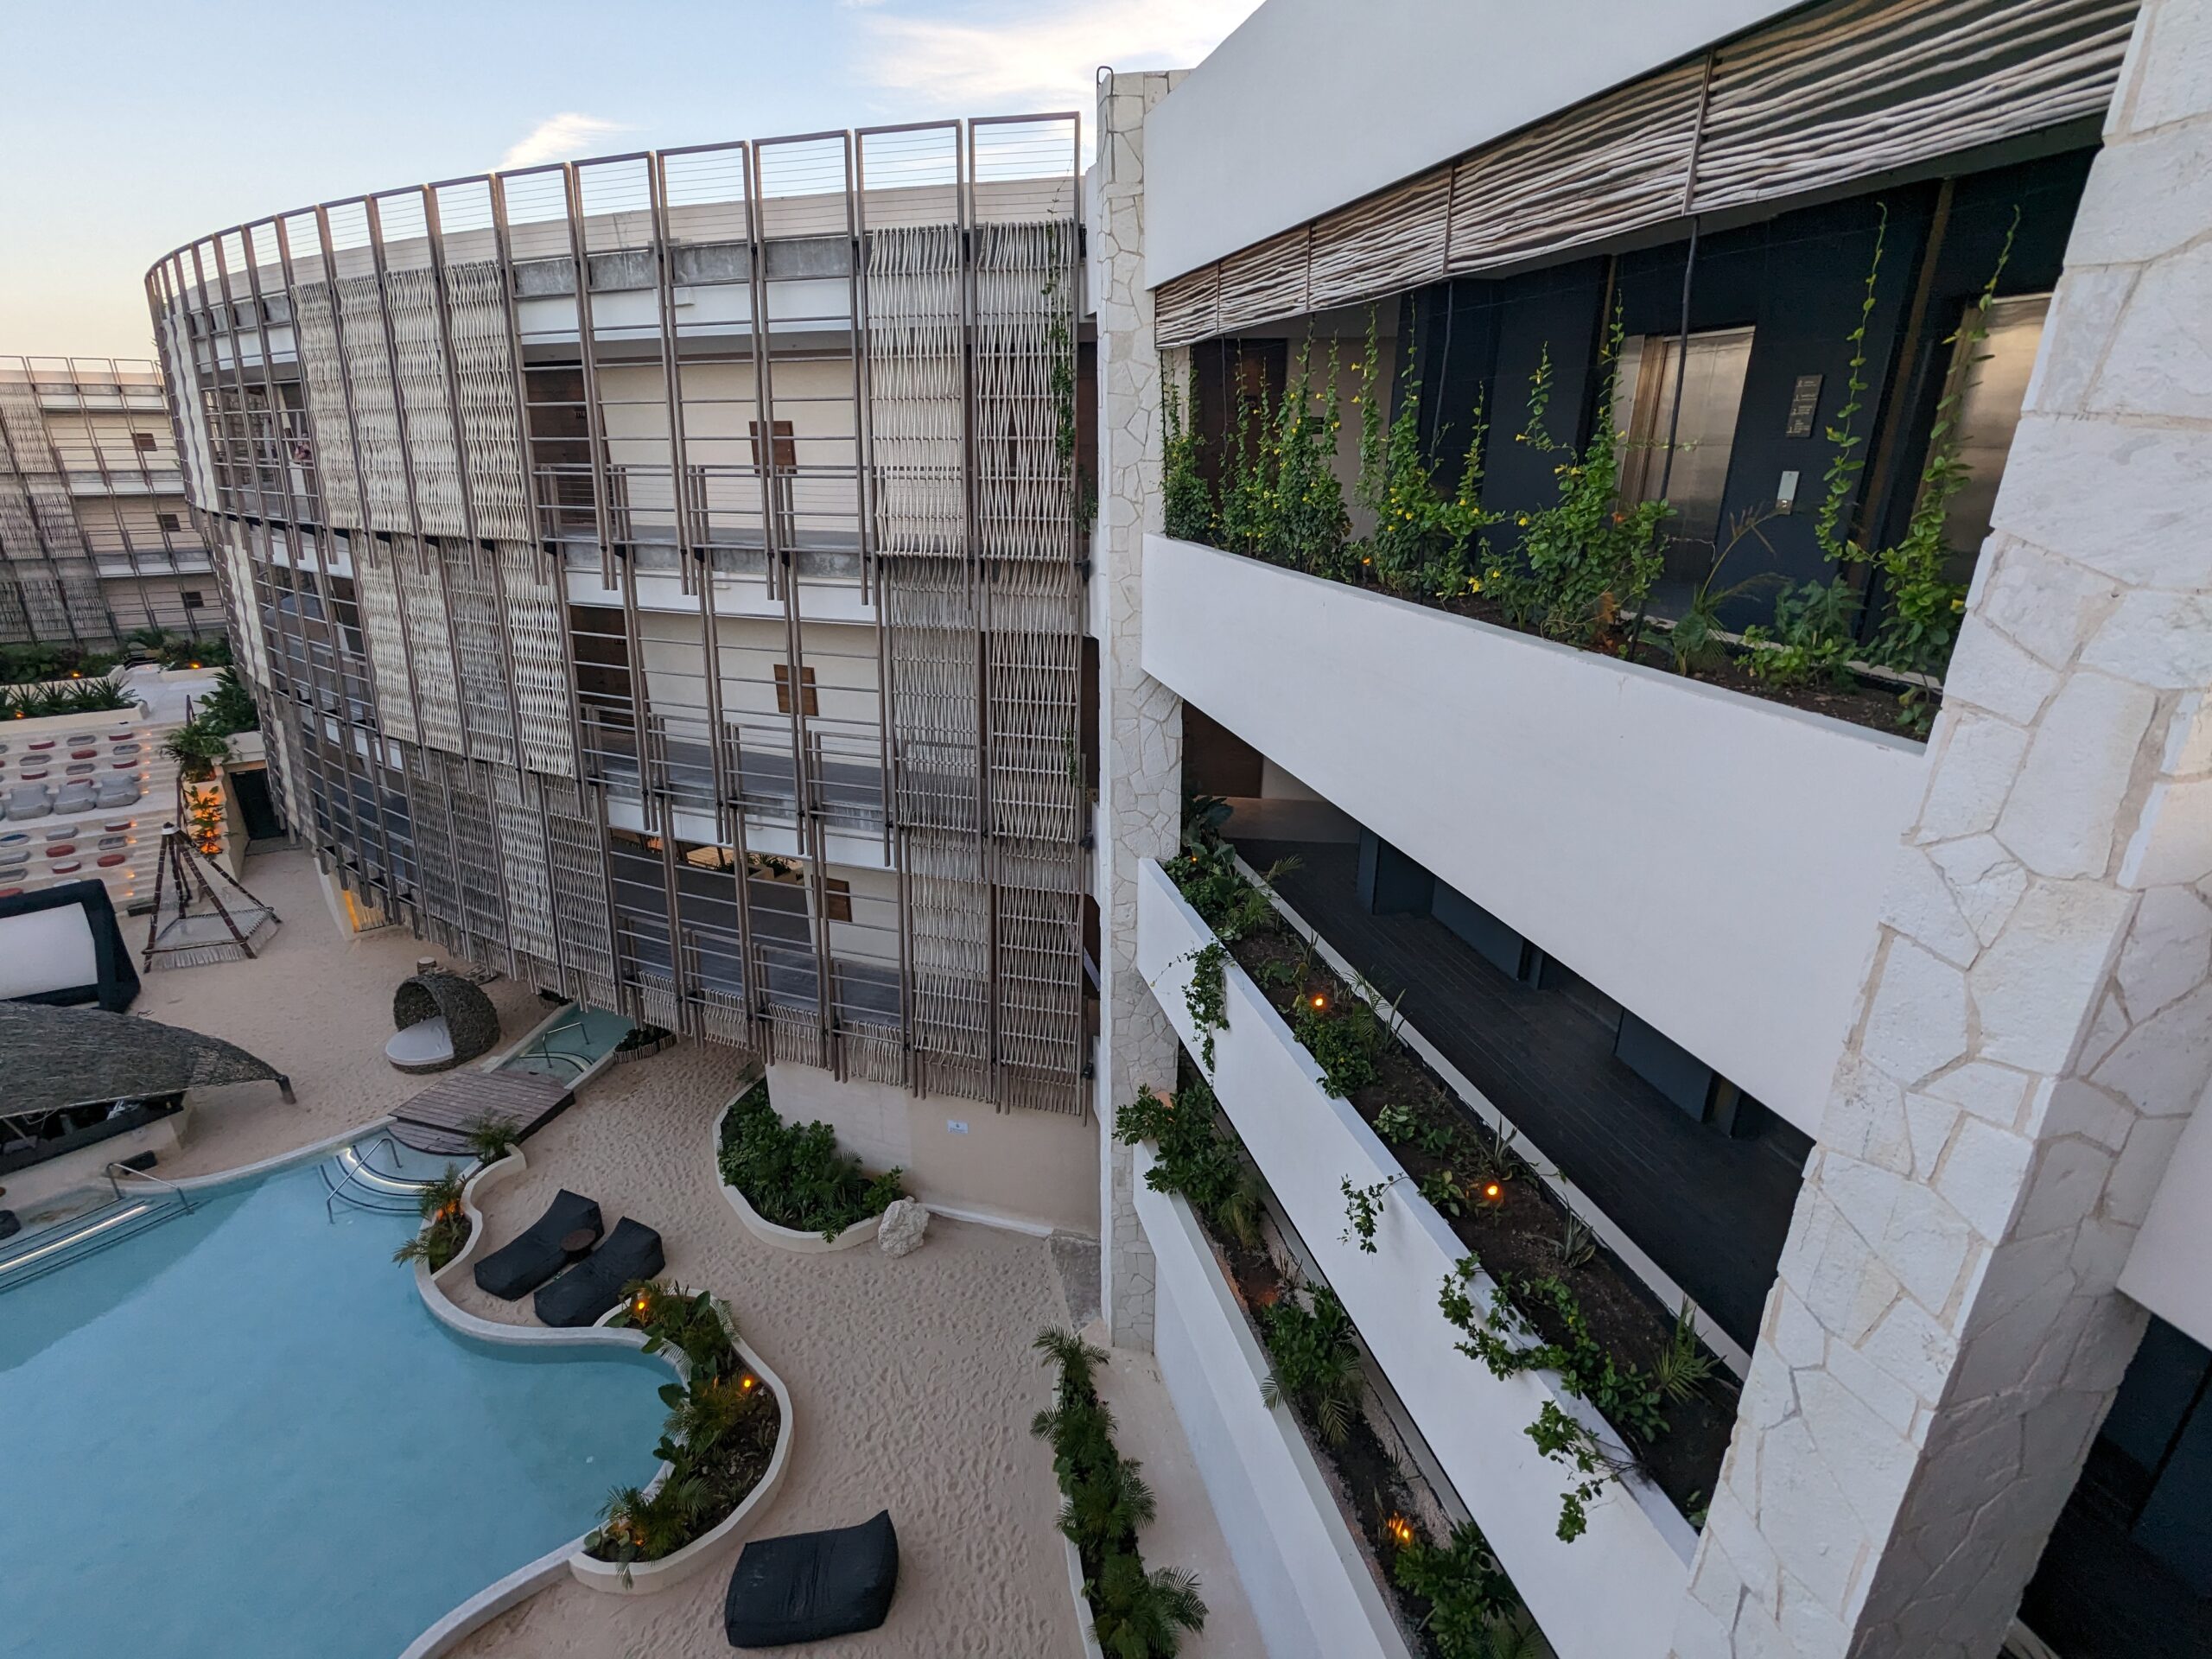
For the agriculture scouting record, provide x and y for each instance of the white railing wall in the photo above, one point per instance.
(1305, 1143)
(1711, 861)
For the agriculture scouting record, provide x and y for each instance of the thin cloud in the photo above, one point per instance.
(558, 138)
(1004, 65)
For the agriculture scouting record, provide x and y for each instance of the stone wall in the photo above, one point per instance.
(1139, 804)
(2035, 1023)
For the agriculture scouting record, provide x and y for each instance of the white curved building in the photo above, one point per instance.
(703, 637)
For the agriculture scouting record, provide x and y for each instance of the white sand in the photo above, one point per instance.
(911, 1380)
(316, 1004)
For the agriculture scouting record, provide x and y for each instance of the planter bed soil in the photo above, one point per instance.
(1517, 1234)
(1366, 1483)
(731, 1470)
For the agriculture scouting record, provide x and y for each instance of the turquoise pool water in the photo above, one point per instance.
(571, 1045)
(240, 1434)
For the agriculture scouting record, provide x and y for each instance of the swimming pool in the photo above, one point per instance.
(241, 1434)
(571, 1044)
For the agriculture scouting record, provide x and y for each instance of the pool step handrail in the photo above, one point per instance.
(401, 1189)
(117, 1169)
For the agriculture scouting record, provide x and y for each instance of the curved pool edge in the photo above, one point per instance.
(277, 1162)
(517, 1586)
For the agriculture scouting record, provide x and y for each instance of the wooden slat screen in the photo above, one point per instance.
(1846, 91)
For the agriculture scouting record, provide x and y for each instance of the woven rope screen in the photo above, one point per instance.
(1844, 91)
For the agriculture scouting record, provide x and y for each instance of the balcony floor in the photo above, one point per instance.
(1712, 1212)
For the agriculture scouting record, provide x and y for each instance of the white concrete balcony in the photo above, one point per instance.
(1304, 1143)
(1310, 1585)
(1712, 862)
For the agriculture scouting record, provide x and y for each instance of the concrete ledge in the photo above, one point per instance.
(1084, 1622)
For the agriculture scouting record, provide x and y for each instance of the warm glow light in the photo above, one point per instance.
(745, 1381)
(1493, 1192)
(1319, 1001)
(1401, 1531)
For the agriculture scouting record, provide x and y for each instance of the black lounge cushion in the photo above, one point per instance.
(811, 1585)
(594, 1284)
(533, 1256)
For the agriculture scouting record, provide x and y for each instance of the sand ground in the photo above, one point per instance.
(912, 1382)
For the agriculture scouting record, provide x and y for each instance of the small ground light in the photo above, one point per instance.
(1492, 1192)
(1319, 1001)
(1401, 1531)
(746, 1382)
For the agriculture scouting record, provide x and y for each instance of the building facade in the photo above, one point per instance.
(666, 577)
(97, 538)
(1864, 1037)
(1680, 555)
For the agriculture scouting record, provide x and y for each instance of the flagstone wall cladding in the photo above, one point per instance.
(2036, 1025)
(1141, 778)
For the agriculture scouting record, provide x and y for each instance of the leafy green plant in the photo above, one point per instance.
(1193, 1158)
(1280, 500)
(1584, 562)
(1566, 1439)
(1423, 538)
(1344, 1041)
(228, 709)
(1473, 1607)
(1575, 1245)
(1507, 1341)
(1697, 642)
(1396, 1124)
(1363, 1210)
(1135, 1614)
(718, 1439)
(37, 662)
(1206, 997)
(1682, 1367)
(1312, 1363)
(793, 1174)
(1491, 1153)
(1140, 1615)
(1443, 1189)
(197, 750)
(63, 698)
(1207, 876)
(1921, 623)
(1814, 635)
(445, 1224)
(1186, 504)
(492, 1138)
(696, 1323)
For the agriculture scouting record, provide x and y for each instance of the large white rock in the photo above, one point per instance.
(899, 1232)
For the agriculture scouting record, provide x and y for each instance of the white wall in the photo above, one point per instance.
(1315, 102)
(1037, 1171)
(2165, 1270)
(1305, 1143)
(1711, 861)
(1308, 1583)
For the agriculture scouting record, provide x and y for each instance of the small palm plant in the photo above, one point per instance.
(1312, 1363)
(492, 1138)
(640, 1526)
(445, 1224)
(1140, 1615)
(1115, 1502)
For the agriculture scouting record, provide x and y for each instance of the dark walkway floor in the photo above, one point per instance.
(2098, 1594)
(1712, 1212)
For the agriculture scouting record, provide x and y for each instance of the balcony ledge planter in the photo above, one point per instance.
(1305, 1141)
(782, 1238)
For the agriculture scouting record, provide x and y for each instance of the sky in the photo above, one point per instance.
(129, 128)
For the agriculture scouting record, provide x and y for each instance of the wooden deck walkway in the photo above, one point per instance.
(438, 1120)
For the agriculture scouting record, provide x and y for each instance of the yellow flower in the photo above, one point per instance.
(1474, 584)
(1958, 604)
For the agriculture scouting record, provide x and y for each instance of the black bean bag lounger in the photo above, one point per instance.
(811, 1585)
(533, 1256)
(594, 1284)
